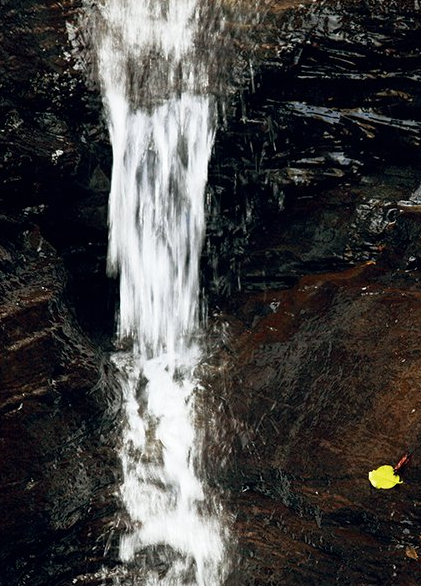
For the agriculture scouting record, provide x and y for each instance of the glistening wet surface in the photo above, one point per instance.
(314, 385)
(324, 388)
(319, 382)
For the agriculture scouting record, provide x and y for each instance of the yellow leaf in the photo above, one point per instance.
(384, 477)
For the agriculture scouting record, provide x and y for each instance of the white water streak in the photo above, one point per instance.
(148, 23)
(156, 218)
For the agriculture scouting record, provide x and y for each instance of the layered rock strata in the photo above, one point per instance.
(312, 258)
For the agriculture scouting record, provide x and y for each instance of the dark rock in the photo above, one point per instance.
(58, 404)
(315, 378)
(55, 156)
(333, 104)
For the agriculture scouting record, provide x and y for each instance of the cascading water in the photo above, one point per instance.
(156, 232)
(154, 74)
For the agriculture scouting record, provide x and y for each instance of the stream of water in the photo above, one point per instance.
(162, 123)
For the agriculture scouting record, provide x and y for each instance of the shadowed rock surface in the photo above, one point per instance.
(58, 400)
(57, 411)
(55, 158)
(321, 147)
(315, 174)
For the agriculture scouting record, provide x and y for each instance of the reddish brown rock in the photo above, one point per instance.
(322, 386)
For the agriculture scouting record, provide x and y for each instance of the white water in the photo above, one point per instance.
(156, 216)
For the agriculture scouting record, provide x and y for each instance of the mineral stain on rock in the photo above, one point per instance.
(312, 260)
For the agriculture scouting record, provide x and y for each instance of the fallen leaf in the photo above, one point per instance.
(411, 553)
(384, 477)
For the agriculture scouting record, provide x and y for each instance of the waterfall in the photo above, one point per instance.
(155, 75)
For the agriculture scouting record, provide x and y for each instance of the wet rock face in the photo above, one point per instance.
(318, 379)
(316, 171)
(321, 386)
(58, 400)
(55, 158)
(320, 148)
(57, 411)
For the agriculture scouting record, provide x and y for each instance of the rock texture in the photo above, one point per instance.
(322, 145)
(57, 411)
(312, 262)
(54, 153)
(58, 403)
(318, 380)
(322, 387)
